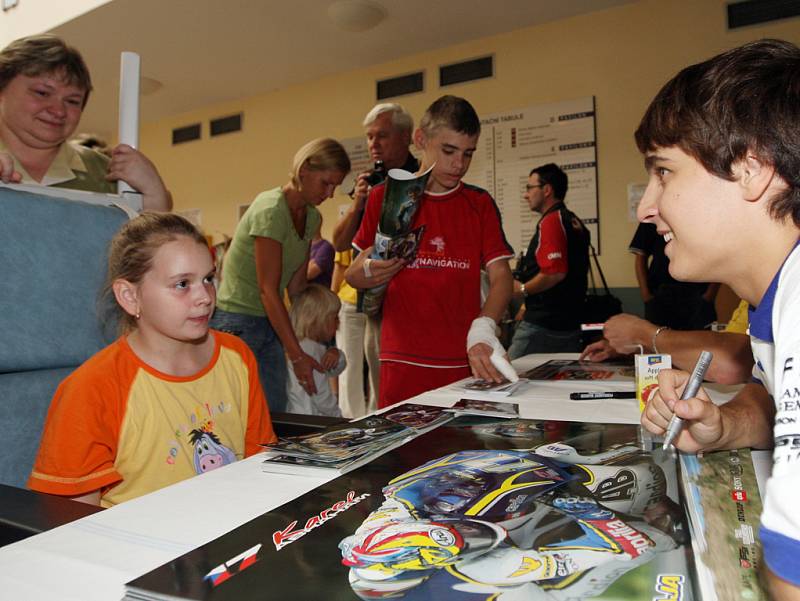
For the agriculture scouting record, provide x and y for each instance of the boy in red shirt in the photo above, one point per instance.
(435, 330)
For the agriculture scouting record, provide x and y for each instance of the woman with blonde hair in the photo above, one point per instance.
(268, 256)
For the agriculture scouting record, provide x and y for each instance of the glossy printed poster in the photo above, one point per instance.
(478, 509)
(572, 369)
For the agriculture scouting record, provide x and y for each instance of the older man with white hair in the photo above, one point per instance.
(388, 129)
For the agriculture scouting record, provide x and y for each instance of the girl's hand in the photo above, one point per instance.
(330, 359)
(304, 366)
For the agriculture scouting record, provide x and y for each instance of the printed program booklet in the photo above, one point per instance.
(548, 511)
(485, 408)
(572, 369)
(419, 417)
(487, 387)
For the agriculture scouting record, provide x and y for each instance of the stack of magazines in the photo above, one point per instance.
(345, 447)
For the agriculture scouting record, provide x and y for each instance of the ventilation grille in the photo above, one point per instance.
(399, 86)
(226, 125)
(186, 134)
(753, 12)
(478, 68)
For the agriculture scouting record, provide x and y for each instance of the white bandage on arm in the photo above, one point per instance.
(482, 330)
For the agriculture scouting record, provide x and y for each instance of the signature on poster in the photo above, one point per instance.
(288, 535)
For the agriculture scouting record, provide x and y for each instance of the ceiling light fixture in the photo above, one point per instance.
(148, 85)
(356, 15)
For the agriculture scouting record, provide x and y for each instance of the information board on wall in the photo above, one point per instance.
(359, 161)
(514, 142)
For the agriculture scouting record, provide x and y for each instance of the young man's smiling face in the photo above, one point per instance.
(692, 210)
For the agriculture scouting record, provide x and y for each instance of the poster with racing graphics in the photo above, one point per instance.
(478, 509)
(724, 517)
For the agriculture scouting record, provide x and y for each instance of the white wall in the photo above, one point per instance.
(35, 16)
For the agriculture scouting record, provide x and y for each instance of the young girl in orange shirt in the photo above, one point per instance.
(170, 398)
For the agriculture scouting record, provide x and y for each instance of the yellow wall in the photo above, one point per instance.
(622, 56)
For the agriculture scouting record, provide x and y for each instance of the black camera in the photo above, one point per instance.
(378, 174)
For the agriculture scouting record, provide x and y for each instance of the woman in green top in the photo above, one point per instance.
(269, 255)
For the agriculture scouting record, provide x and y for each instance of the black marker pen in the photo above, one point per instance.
(588, 396)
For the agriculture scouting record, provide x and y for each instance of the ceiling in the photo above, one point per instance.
(210, 51)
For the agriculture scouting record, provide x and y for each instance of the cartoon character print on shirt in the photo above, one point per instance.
(202, 419)
(209, 452)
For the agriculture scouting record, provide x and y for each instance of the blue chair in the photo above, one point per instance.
(53, 254)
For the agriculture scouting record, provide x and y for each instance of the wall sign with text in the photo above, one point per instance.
(514, 142)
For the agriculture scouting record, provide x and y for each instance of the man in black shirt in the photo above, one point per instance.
(551, 277)
(668, 302)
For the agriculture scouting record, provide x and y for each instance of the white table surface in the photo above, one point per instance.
(92, 558)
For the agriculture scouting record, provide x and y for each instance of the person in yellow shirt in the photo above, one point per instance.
(359, 338)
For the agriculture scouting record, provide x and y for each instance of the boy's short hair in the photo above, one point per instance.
(745, 99)
(42, 55)
(452, 112)
(553, 175)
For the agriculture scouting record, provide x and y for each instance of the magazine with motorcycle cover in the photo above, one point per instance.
(480, 508)
(343, 441)
(395, 238)
(419, 417)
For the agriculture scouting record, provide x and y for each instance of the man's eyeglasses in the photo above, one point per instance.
(530, 187)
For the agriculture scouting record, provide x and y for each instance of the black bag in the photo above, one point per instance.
(599, 306)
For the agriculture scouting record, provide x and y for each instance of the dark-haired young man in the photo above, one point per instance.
(722, 146)
(552, 274)
(435, 330)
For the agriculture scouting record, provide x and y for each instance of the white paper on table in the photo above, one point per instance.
(115, 546)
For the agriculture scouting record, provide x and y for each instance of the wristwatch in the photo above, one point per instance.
(523, 290)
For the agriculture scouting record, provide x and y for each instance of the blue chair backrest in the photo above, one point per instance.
(53, 255)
